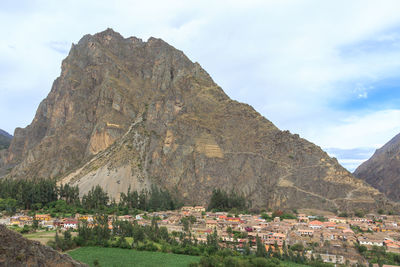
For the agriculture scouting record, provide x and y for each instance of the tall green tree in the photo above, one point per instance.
(260, 252)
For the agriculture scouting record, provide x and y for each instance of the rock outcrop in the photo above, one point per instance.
(128, 112)
(17, 251)
(382, 170)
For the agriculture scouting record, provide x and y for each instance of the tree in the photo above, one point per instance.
(220, 200)
(138, 234)
(359, 213)
(229, 231)
(266, 217)
(35, 224)
(362, 249)
(297, 247)
(100, 232)
(95, 199)
(277, 252)
(185, 222)
(261, 252)
(247, 249)
(212, 242)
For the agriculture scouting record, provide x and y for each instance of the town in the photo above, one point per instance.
(332, 239)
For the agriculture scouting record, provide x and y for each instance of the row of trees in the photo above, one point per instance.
(155, 199)
(37, 194)
(30, 194)
(45, 194)
(223, 201)
(150, 237)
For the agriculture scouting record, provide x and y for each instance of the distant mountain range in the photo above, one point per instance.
(382, 170)
(5, 139)
(128, 113)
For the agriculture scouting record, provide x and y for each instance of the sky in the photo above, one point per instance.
(326, 70)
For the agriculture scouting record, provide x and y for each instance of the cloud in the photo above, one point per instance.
(61, 47)
(372, 129)
(351, 158)
(296, 62)
(363, 95)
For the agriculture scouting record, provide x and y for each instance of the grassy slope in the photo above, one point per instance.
(129, 257)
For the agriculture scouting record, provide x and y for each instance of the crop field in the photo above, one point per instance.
(129, 257)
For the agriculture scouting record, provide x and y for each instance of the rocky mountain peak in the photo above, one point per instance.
(130, 113)
(382, 170)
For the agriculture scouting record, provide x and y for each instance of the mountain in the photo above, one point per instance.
(125, 112)
(382, 170)
(5, 139)
(15, 250)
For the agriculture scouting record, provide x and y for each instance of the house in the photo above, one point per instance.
(174, 228)
(58, 223)
(187, 209)
(126, 218)
(337, 220)
(199, 209)
(302, 218)
(276, 237)
(369, 241)
(211, 224)
(329, 258)
(71, 224)
(356, 219)
(222, 217)
(392, 246)
(290, 222)
(21, 220)
(42, 217)
(25, 218)
(306, 232)
(14, 220)
(315, 224)
(88, 218)
(329, 225)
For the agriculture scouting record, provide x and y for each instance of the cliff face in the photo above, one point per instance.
(127, 112)
(18, 251)
(382, 170)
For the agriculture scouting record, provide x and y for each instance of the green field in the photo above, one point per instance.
(129, 257)
(292, 264)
